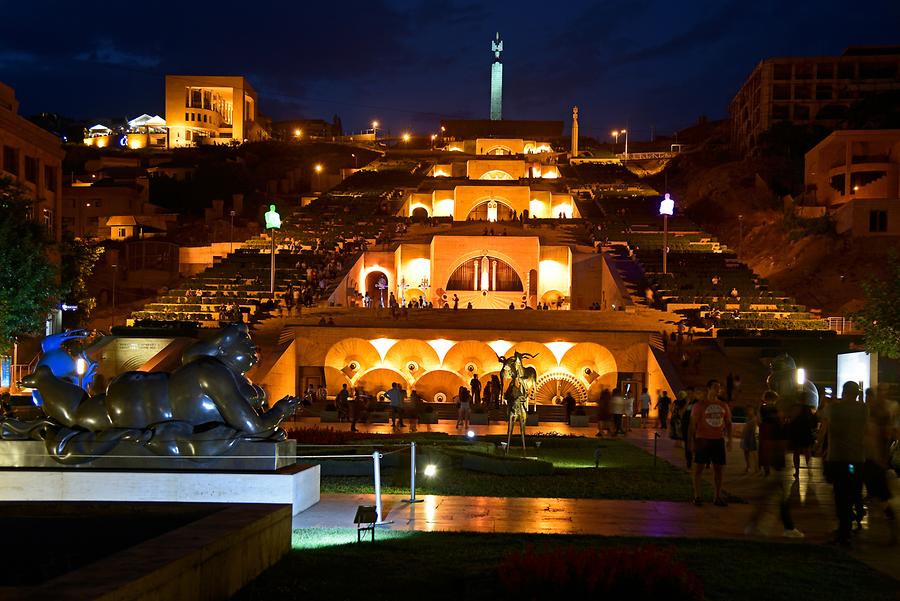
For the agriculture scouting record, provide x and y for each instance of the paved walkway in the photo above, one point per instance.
(812, 505)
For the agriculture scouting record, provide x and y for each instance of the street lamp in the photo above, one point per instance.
(355, 161)
(615, 135)
(624, 132)
(375, 129)
(231, 234)
(298, 133)
(433, 138)
(666, 209)
(406, 137)
(318, 170)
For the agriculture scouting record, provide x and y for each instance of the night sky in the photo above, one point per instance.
(641, 62)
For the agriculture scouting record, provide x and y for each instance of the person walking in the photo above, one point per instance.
(604, 411)
(342, 403)
(662, 409)
(773, 445)
(801, 432)
(617, 408)
(475, 387)
(464, 413)
(645, 407)
(749, 444)
(396, 395)
(710, 422)
(880, 433)
(692, 400)
(678, 409)
(844, 423)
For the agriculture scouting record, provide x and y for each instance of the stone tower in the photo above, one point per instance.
(496, 79)
(574, 132)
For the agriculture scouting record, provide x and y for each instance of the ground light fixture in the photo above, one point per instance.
(471, 433)
(801, 376)
(430, 470)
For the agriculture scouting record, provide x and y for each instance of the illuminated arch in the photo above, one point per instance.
(411, 351)
(492, 209)
(439, 381)
(486, 272)
(352, 351)
(499, 149)
(552, 387)
(496, 174)
(472, 352)
(590, 356)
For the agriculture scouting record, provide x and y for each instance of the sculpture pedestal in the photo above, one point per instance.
(296, 485)
(245, 456)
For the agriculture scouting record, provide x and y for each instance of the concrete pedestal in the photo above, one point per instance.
(297, 486)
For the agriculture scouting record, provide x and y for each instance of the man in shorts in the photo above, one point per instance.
(710, 422)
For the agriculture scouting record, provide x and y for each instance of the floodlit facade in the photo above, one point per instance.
(855, 175)
(33, 157)
(145, 131)
(810, 90)
(211, 110)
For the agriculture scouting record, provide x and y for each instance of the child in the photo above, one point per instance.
(748, 442)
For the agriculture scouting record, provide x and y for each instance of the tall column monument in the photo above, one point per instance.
(574, 154)
(496, 79)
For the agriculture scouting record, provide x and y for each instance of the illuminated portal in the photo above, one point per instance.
(496, 79)
(485, 273)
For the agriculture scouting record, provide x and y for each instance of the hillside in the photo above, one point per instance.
(801, 257)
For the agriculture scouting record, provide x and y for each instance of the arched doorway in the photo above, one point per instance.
(377, 288)
(492, 210)
(485, 273)
(499, 150)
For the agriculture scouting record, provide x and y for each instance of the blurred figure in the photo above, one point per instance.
(879, 436)
(845, 426)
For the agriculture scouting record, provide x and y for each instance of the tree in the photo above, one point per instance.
(880, 318)
(28, 279)
(79, 257)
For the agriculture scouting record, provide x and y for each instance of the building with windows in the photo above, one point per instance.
(209, 109)
(141, 132)
(855, 176)
(810, 90)
(33, 157)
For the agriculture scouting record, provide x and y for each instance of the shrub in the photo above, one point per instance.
(642, 573)
(325, 436)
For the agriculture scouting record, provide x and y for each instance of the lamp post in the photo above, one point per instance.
(375, 130)
(666, 209)
(231, 233)
(318, 170)
(355, 161)
(615, 135)
(740, 236)
(625, 132)
(433, 137)
(406, 137)
(273, 223)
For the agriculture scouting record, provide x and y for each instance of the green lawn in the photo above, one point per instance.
(324, 564)
(625, 472)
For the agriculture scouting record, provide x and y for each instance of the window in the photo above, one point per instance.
(802, 93)
(782, 72)
(187, 116)
(781, 92)
(11, 160)
(803, 71)
(31, 169)
(196, 99)
(485, 273)
(877, 70)
(121, 232)
(49, 178)
(801, 112)
(846, 71)
(192, 117)
(824, 71)
(824, 93)
(878, 221)
(780, 111)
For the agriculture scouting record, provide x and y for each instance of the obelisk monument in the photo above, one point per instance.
(496, 79)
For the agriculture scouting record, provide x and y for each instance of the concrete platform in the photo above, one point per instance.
(297, 486)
